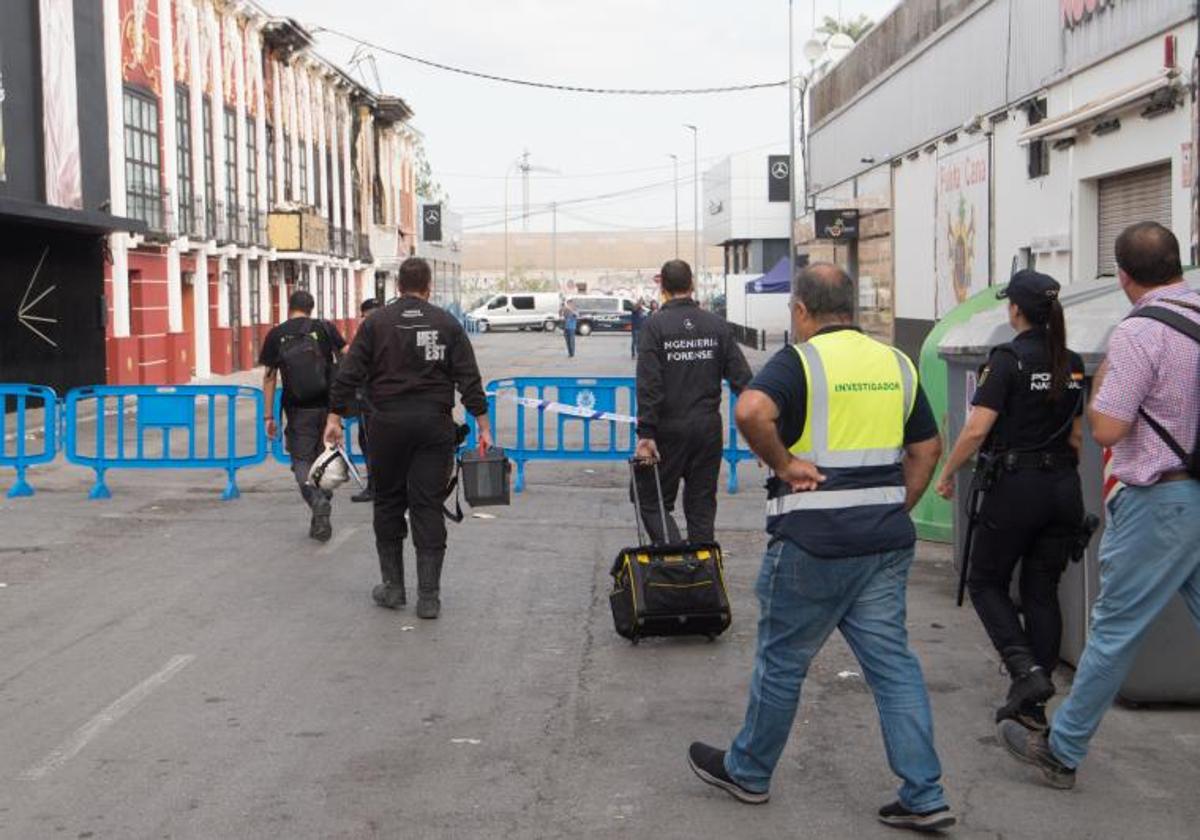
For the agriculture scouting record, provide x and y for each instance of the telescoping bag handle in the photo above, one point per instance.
(643, 533)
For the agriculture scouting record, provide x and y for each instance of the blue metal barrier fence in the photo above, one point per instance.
(195, 427)
(15, 453)
(203, 418)
(604, 407)
(278, 445)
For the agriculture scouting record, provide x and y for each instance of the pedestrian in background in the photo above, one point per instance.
(305, 350)
(684, 355)
(636, 318)
(845, 427)
(410, 357)
(1028, 420)
(570, 319)
(367, 494)
(1146, 408)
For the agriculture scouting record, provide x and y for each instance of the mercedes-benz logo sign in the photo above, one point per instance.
(780, 170)
(432, 216)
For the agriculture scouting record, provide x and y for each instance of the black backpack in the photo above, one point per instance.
(304, 364)
(1186, 326)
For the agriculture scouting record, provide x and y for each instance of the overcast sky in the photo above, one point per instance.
(474, 129)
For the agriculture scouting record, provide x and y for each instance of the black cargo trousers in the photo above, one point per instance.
(412, 461)
(691, 453)
(304, 435)
(1032, 517)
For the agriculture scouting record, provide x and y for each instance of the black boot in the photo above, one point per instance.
(390, 594)
(1031, 684)
(319, 527)
(429, 576)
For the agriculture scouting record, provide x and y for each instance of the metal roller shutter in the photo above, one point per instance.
(1143, 195)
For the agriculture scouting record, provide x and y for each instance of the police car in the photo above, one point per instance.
(603, 313)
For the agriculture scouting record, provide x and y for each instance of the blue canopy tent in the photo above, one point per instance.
(775, 281)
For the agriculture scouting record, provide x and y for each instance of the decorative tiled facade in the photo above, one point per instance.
(258, 168)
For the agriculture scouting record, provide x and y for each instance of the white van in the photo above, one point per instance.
(523, 310)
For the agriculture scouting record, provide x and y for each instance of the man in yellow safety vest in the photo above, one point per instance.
(844, 425)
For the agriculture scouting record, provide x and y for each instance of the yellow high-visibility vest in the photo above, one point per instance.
(860, 395)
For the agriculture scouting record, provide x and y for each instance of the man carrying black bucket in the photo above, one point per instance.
(410, 356)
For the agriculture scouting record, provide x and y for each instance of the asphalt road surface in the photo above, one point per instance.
(175, 666)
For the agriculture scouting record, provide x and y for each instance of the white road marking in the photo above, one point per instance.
(337, 542)
(97, 725)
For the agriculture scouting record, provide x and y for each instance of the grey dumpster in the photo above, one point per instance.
(1167, 668)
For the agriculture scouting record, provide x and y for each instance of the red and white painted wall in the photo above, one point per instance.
(220, 118)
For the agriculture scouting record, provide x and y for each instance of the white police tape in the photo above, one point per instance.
(574, 410)
(570, 410)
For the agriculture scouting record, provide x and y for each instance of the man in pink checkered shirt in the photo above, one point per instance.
(1147, 408)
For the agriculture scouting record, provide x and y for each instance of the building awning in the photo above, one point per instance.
(63, 218)
(1071, 121)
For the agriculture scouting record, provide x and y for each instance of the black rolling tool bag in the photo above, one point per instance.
(668, 590)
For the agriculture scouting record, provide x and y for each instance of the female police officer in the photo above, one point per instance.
(1027, 419)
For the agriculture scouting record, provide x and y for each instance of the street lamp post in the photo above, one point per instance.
(675, 159)
(695, 195)
(791, 87)
(507, 170)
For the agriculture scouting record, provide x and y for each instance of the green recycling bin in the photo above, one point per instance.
(1167, 669)
(933, 515)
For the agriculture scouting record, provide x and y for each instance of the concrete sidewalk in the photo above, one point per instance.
(176, 666)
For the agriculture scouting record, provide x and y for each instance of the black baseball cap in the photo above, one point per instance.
(1033, 292)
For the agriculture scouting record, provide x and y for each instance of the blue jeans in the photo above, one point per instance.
(569, 335)
(802, 599)
(1150, 551)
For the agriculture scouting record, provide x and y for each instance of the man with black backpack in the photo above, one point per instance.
(305, 350)
(1147, 409)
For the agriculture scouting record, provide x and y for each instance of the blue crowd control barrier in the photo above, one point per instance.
(735, 452)
(604, 406)
(15, 453)
(279, 444)
(524, 403)
(178, 427)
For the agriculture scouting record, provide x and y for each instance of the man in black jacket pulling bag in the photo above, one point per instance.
(683, 355)
(409, 357)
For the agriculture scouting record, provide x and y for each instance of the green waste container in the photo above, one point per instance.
(1167, 668)
(933, 515)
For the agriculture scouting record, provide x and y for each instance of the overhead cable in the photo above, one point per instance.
(604, 91)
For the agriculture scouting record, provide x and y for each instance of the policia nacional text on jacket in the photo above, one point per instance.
(410, 356)
(1027, 419)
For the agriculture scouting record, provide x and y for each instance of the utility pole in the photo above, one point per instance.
(695, 196)
(791, 87)
(554, 243)
(525, 170)
(675, 158)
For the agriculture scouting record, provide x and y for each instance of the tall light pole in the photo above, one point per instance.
(523, 163)
(791, 87)
(507, 170)
(675, 158)
(695, 195)
(554, 243)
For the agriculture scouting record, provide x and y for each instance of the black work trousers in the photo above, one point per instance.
(304, 437)
(364, 443)
(1031, 517)
(691, 453)
(412, 460)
